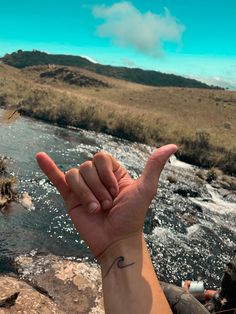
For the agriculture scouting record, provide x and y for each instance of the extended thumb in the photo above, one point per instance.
(156, 162)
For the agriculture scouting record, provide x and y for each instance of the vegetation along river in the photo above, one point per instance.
(190, 227)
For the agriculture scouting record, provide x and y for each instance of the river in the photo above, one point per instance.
(190, 228)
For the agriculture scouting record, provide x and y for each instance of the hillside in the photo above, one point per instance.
(22, 59)
(201, 121)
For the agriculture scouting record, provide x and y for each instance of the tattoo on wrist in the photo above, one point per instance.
(119, 261)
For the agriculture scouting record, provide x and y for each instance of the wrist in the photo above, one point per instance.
(123, 253)
(128, 276)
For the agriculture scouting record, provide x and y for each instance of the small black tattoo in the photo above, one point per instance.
(120, 264)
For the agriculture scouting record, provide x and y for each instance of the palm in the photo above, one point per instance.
(106, 227)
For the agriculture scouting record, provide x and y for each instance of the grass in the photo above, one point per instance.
(7, 183)
(200, 150)
(214, 174)
(6, 186)
(201, 122)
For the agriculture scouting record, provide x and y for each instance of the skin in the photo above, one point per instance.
(108, 209)
(104, 180)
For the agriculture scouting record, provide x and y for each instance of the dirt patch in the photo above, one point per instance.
(73, 77)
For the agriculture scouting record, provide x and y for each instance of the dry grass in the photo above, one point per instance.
(7, 183)
(202, 122)
(3, 165)
(218, 176)
(6, 187)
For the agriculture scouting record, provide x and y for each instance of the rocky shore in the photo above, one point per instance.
(52, 284)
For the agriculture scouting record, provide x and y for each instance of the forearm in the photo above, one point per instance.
(130, 284)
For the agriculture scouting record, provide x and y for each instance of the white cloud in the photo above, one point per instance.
(221, 81)
(145, 32)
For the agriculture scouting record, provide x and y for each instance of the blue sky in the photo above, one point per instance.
(188, 37)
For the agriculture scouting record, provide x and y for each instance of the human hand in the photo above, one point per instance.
(103, 201)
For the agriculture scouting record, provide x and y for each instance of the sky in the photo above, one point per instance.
(192, 38)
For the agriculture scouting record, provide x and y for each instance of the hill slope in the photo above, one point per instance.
(22, 59)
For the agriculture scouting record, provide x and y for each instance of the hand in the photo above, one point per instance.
(103, 201)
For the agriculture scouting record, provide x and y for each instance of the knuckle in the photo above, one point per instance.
(71, 173)
(99, 156)
(86, 166)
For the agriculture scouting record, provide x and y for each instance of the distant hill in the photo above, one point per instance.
(22, 59)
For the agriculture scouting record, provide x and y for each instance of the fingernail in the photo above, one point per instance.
(113, 191)
(93, 207)
(106, 204)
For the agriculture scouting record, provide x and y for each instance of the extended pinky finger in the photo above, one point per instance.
(54, 174)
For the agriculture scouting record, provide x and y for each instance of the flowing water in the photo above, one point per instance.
(190, 227)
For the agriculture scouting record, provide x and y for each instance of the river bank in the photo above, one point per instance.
(52, 284)
(197, 149)
(201, 122)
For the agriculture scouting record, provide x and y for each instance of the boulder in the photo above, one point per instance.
(12, 207)
(75, 287)
(187, 192)
(26, 201)
(16, 296)
(181, 301)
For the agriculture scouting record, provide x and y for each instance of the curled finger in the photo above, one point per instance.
(85, 196)
(105, 169)
(93, 181)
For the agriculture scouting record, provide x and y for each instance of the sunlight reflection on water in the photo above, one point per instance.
(178, 249)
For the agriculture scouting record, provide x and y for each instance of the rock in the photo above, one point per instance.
(3, 201)
(75, 287)
(59, 285)
(198, 207)
(12, 207)
(17, 296)
(187, 192)
(171, 179)
(190, 219)
(26, 201)
(181, 301)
